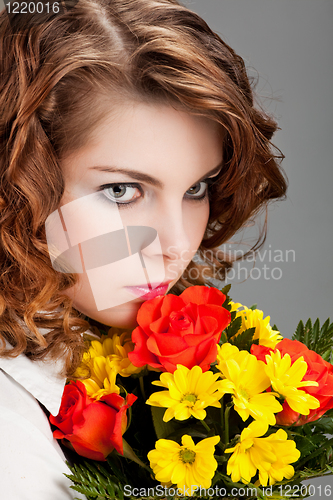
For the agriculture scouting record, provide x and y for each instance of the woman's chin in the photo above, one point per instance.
(123, 316)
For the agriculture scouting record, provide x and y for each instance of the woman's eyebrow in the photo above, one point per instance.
(140, 176)
(212, 172)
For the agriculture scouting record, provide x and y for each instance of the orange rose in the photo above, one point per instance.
(94, 428)
(318, 370)
(180, 330)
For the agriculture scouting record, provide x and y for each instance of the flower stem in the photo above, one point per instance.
(226, 422)
(142, 387)
(222, 414)
(219, 444)
(129, 453)
(205, 425)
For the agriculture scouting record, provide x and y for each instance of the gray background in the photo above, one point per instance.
(289, 43)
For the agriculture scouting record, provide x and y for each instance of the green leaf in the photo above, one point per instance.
(315, 333)
(244, 340)
(225, 290)
(324, 425)
(233, 328)
(128, 452)
(95, 481)
(308, 332)
(315, 338)
(314, 454)
(193, 431)
(298, 335)
(162, 429)
(223, 339)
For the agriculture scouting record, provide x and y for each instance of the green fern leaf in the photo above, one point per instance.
(315, 338)
(244, 339)
(233, 328)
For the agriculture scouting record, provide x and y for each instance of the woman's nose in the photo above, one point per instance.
(170, 225)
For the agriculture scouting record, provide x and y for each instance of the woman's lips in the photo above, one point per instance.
(145, 293)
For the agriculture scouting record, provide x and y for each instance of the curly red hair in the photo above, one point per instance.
(56, 72)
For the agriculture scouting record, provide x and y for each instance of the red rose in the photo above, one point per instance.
(318, 370)
(180, 330)
(94, 428)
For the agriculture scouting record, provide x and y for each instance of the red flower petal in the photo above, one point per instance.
(170, 304)
(186, 358)
(206, 354)
(85, 451)
(163, 344)
(74, 400)
(161, 325)
(260, 351)
(149, 312)
(181, 330)
(141, 355)
(97, 432)
(203, 295)
(221, 315)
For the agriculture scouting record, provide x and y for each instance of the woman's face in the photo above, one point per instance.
(135, 206)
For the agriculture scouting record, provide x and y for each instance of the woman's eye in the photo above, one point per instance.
(122, 193)
(198, 190)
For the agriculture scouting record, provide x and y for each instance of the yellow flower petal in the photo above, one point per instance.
(270, 456)
(189, 393)
(185, 465)
(263, 331)
(246, 380)
(286, 378)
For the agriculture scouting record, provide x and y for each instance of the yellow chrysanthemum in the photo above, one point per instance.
(270, 456)
(286, 453)
(96, 390)
(186, 465)
(115, 347)
(246, 380)
(102, 380)
(189, 392)
(106, 358)
(227, 351)
(286, 378)
(254, 318)
(235, 306)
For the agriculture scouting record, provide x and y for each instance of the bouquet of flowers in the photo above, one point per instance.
(212, 400)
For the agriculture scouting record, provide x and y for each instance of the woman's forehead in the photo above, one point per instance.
(157, 141)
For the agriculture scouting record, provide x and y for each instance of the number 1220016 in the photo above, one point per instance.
(310, 490)
(32, 7)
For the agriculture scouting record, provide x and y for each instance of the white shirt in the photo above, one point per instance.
(32, 464)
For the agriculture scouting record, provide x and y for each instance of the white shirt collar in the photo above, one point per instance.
(40, 378)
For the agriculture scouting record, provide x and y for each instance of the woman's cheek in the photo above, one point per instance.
(197, 224)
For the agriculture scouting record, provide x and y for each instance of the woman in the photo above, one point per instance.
(129, 145)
